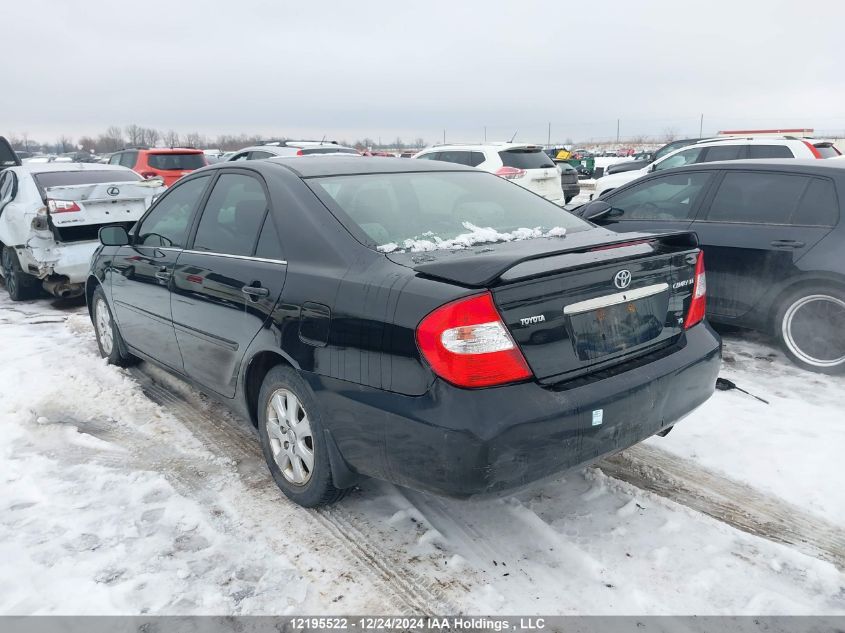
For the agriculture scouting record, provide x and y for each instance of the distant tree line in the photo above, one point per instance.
(116, 138)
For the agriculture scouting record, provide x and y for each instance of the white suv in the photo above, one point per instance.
(291, 148)
(710, 150)
(525, 165)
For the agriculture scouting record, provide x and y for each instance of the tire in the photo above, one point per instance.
(19, 285)
(810, 327)
(289, 427)
(109, 340)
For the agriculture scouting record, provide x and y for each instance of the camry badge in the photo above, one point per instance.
(622, 279)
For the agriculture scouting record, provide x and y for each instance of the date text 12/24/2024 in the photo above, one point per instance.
(429, 623)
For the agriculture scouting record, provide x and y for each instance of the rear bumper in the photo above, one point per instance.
(461, 442)
(45, 258)
(571, 190)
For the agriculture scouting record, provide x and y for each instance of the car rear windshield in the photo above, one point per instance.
(421, 211)
(526, 159)
(48, 179)
(328, 150)
(827, 150)
(176, 161)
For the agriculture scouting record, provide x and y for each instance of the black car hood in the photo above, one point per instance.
(482, 265)
(8, 158)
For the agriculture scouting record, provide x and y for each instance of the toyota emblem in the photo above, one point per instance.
(622, 279)
(113, 191)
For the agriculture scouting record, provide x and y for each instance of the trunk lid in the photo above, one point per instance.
(8, 157)
(588, 306)
(544, 182)
(71, 207)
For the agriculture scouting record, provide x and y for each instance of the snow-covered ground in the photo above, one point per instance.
(791, 447)
(125, 491)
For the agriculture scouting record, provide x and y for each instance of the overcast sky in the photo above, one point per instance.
(410, 69)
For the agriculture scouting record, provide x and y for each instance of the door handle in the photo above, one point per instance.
(163, 274)
(254, 292)
(787, 244)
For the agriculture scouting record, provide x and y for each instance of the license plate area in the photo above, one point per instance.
(620, 322)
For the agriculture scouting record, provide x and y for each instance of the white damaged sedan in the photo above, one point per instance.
(50, 216)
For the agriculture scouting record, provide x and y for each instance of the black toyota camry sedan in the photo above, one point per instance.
(419, 322)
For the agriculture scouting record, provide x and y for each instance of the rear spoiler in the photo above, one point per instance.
(477, 268)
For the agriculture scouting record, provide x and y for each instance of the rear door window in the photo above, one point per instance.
(232, 216)
(685, 157)
(258, 155)
(128, 159)
(819, 206)
(171, 161)
(724, 152)
(672, 197)
(7, 188)
(769, 151)
(475, 159)
(167, 224)
(430, 156)
(526, 159)
(8, 156)
(6, 182)
(269, 246)
(757, 197)
(459, 157)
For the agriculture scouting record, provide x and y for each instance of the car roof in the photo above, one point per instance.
(746, 140)
(45, 167)
(339, 165)
(795, 165)
(495, 146)
(270, 149)
(170, 150)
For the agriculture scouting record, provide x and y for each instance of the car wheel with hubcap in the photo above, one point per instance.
(810, 326)
(19, 285)
(292, 440)
(109, 341)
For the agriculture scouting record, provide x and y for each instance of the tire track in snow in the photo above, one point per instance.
(226, 435)
(737, 504)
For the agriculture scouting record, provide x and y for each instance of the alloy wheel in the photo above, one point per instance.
(9, 272)
(104, 328)
(289, 432)
(812, 330)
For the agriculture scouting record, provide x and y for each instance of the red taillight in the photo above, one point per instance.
(510, 173)
(62, 206)
(695, 314)
(299, 152)
(467, 344)
(148, 174)
(813, 149)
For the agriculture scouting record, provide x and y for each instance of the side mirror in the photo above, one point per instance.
(113, 236)
(594, 210)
